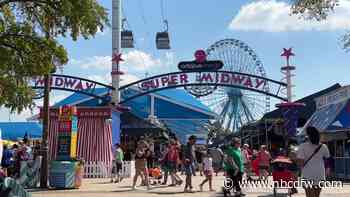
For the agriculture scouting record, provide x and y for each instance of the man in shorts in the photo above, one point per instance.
(118, 164)
(189, 160)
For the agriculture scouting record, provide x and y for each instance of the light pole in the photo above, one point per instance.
(116, 55)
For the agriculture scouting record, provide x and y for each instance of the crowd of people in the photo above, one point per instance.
(12, 156)
(237, 161)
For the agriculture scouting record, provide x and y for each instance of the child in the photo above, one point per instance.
(208, 172)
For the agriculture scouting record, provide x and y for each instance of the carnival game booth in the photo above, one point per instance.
(83, 138)
(332, 118)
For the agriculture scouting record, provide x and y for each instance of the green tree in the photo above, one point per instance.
(318, 10)
(28, 41)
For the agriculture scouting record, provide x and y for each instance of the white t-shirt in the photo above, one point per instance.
(207, 163)
(314, 169)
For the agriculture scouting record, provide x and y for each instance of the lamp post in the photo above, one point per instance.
(116, 55)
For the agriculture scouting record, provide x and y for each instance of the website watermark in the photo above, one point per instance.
(300, 183)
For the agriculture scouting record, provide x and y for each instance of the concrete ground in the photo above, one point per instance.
(103, 188)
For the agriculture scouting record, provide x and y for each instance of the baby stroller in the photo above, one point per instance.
(282, 175)
(155, 176)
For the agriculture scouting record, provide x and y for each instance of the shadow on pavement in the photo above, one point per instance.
(33, 190)
(166, 193)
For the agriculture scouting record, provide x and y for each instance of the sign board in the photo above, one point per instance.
(67, 133)
(201, 63)
(208, 78)
(65, 82)
(205, 66)
(64, 138)
(333, 97)
(74, 137)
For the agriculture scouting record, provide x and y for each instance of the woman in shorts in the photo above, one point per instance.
(141, 164)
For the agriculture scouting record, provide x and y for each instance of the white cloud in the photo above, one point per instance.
(274, 16)
(95, 62)
(128, 78)
(106, 79)
(137, 60)
(105, 31)
(134, 61)
(6, 115)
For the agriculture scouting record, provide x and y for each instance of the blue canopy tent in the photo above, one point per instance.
(182, 113)
(17, 130)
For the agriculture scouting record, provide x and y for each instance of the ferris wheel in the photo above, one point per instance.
(236, 107)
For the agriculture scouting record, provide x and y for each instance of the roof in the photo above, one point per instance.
(332, 117)
(305, 112)
(15, 130)
(333, 111)
(179, 96)
(180, 112)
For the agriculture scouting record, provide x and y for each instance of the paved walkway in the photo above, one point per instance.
(103, 188)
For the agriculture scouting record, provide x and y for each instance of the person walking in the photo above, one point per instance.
(246, 156)
(141, 164)
(233, 165)
(189, 159)
(208, 171)
(118, 164)
(173, 157)
(310, 156)
(217, 155)
(264, 158)
(164, 165)
(7, 159)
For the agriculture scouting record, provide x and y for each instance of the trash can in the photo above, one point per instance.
(65, 174)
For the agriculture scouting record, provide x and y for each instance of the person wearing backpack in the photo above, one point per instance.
(310, 156)
(172, 158)
(189, 158)
(7, 159)
(233, 165)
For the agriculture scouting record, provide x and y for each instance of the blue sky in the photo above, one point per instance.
(264, 25)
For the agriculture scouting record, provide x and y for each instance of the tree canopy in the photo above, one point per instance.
(28, 41)
(319, 10)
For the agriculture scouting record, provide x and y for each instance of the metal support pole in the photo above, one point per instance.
(46, 126)
(152, 106)
(266, 137)
(116, 35)
(289, 84)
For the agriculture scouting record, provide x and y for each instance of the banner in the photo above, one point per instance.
(115, 127)
(74, 138)
(64, 140)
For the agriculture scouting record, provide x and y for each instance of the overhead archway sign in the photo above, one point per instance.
(214, 78)
(72, 84)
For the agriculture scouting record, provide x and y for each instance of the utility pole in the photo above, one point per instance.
(116, 52)
(46, 126)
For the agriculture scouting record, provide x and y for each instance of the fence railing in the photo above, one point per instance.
(99, 169)
(342, 167)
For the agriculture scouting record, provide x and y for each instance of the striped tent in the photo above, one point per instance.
(94, 134)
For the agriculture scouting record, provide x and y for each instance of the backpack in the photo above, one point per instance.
(173, 154)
